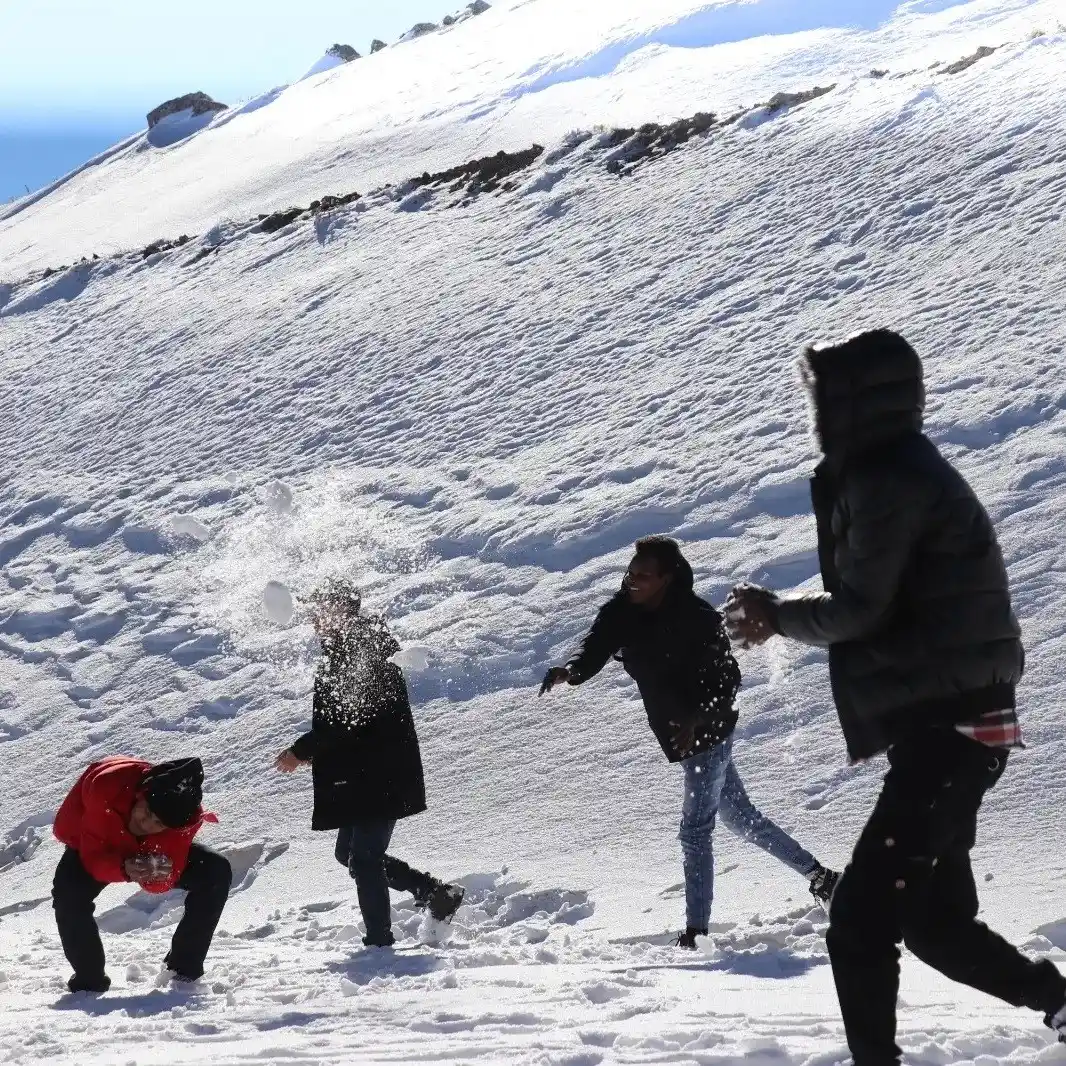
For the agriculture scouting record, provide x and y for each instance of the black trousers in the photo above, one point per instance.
(206, 878)
(910, 880)
(362, 848)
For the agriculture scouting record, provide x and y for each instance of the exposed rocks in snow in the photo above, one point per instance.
(344, 52)
(481, 175)
(653, 139)
(780, 101)
(164, 245)
(964, 64)
(331, 203)
(197, 103)
(419, 29)
(279, 219)
(377, 45)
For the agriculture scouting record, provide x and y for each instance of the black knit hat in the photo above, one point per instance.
(174, 790)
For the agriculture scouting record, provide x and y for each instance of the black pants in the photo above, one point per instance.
(361, 848)
(910, 879)
(206, 878)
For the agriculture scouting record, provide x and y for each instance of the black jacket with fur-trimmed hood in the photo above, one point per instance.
(678, 655)
(916, 610)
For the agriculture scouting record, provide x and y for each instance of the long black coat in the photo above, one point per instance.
(916, 608)
(680, 658)
(363, 747)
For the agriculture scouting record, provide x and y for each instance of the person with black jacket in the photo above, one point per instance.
(365, 761)
(924, 657)
(673, 644)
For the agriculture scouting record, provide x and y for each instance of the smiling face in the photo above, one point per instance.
(645, 583)
(143, 823)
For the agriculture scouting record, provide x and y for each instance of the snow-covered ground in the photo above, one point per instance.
(474, 411)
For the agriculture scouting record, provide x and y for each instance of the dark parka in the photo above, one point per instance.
(678, 655)
(916, 609)
(363, 747)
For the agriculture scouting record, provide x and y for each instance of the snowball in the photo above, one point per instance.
(279, 497)
(278, 602)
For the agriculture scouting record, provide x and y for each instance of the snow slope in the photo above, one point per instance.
(525, 70)
(474, 411)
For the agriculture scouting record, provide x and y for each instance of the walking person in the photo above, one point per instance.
(673, 644)
(924, 657)
(126, 820)
(365, 760)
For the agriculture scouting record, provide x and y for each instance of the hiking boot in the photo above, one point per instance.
(182, 974)
(97, 985)
(445, 901)
(687, 939)
(823, 885)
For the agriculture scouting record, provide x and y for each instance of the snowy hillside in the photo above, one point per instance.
(472, 393)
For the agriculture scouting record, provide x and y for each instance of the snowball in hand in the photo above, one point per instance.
(278, 602)
(415, 659)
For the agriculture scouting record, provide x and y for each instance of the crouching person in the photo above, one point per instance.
(365, 760)
(127, 820)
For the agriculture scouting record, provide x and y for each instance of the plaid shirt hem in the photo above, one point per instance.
(997, 729)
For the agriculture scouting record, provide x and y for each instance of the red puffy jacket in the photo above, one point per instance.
(94, 821)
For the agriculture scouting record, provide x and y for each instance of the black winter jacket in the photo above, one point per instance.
(363, 747)
(916, 608)
(680, 658)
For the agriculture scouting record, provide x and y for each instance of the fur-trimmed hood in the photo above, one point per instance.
(864, 391)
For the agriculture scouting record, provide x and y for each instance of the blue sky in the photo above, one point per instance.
(78, 75)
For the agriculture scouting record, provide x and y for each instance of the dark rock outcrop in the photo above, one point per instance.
(419, 29)
(279, 219)
(343, 51)
(964, 64)
(481, 175)
(377, 45)
(198, 103)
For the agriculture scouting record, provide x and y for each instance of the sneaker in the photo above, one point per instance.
(96, 985)
(823, 884)
(445, 901)
(687, 939)
(1057, 1022)
(176, 973)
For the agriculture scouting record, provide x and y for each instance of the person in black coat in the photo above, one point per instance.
(365, 762)
(924, 656)
(673, 644)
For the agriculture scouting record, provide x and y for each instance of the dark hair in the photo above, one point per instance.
(337, 591)
(668, 558)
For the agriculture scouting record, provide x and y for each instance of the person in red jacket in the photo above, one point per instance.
(127, 820)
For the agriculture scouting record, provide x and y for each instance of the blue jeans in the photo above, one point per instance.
(713, 787)
(362, 849)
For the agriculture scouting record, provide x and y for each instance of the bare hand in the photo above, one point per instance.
(684, 737)
(750, 615)
(145, 869)
(557, 675)
(286, 762)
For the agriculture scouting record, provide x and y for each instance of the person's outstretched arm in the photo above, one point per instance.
(592, 653)
(887, 514)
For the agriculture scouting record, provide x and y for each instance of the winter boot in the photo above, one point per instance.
(687, 939)
(176, 973)
(96, 985)
(823, 885)
(445, 901)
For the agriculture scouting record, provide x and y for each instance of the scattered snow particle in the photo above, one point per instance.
(277, 599)
(134, 974)
(231, 477)
(414, 659)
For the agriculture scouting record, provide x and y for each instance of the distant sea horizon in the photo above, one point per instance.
(31, 158)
